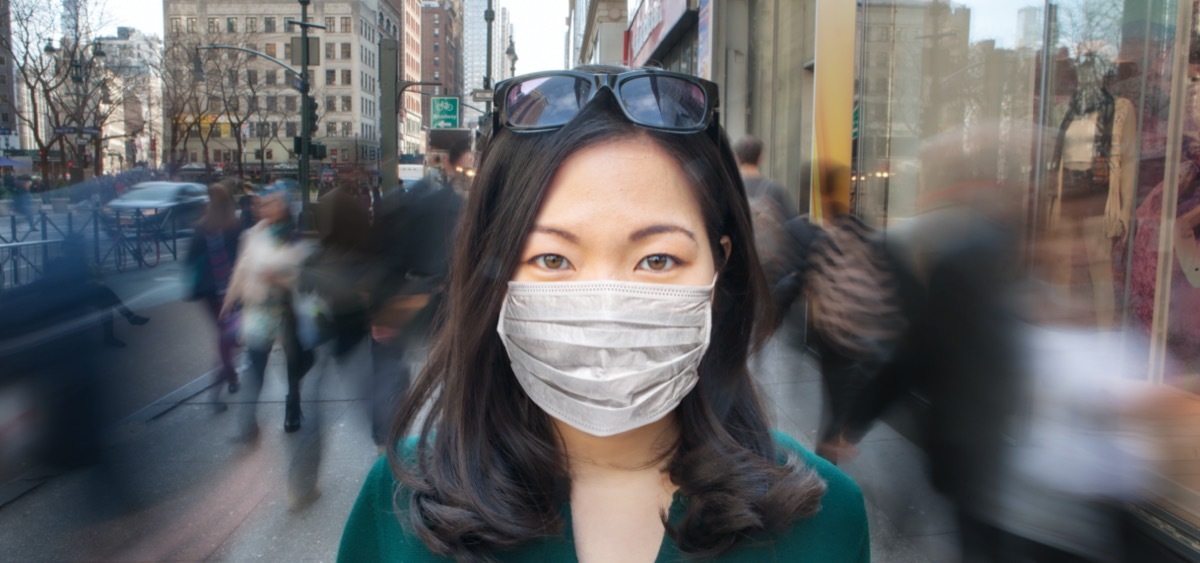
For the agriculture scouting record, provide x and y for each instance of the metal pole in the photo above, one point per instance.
(306, 124)
(489, 15)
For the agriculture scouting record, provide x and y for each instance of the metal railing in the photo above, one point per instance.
(117, 241)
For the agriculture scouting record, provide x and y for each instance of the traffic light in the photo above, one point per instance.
(312, 112)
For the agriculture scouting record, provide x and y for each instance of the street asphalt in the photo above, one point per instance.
(196, 495)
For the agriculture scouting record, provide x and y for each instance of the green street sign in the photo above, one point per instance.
(443, 113)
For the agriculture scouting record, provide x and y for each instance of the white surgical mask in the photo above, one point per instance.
(606, 357)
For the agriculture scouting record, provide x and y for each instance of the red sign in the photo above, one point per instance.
(653, 20)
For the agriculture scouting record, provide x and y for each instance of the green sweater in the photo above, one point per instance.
(838, 532)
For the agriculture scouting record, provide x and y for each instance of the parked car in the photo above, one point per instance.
(161, 206)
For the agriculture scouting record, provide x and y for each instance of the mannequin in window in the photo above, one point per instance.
(1095, 157)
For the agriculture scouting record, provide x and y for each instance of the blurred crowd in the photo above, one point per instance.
(1038, 421)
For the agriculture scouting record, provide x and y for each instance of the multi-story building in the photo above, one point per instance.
(597, 32)
(9, 132)
(501, 35)
(133, 126)
(441, 46)
(245, 112)
(411, 54)
(474, 52)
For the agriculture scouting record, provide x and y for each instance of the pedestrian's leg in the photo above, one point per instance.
(299, 361)
(388, 385)
(254, 383)
(225, 345)
(106, 325)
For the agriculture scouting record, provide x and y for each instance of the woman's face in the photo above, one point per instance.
(624, 211)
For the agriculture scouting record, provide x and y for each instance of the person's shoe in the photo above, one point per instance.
(137, 320)
(113, 342)
(234, 387)
(292, 415)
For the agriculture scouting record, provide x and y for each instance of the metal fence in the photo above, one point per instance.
(116, 241)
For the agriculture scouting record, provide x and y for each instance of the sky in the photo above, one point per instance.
(539, 27)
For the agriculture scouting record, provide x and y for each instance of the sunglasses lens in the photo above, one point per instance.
(545, 102)
(664, 101)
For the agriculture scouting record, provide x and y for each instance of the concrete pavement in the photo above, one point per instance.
(202, 497)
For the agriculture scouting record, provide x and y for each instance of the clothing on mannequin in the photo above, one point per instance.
(1096, 157)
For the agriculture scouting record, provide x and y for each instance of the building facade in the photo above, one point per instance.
(244, 112)
(441, 50)
(597, 32)
(134, 127)
(10, 135)
(411, 63)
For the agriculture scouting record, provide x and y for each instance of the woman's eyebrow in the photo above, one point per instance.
(659, 229)
(569, 236)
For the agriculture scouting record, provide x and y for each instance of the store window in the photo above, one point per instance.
(1109, 178)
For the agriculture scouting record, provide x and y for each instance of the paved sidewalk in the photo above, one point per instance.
(209, 499)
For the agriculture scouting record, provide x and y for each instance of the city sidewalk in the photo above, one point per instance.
(210, 499)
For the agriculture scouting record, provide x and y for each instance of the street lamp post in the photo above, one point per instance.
(512, 56)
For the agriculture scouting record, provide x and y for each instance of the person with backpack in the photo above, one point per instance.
(770, 208)
(843, 271)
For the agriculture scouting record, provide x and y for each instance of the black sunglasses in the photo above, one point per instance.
(656, 99)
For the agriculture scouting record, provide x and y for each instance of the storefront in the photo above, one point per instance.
(663, 33)
(1110, 90)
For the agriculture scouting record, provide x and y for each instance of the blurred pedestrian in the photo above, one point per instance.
(261, 285)
(770, 208)
(412, 236)
(23, 202)
(587, 397)
(211, 256)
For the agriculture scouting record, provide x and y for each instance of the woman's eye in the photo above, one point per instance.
(658, 262)
(551, 262)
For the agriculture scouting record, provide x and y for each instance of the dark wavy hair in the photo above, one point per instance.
(489, 471)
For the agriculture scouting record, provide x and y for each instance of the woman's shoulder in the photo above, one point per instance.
(375, 530)
(839, 529)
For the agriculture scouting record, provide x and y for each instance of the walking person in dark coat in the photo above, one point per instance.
(211, 257)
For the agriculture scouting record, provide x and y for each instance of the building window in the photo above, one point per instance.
(215, 130)
(252, 77)
(233, 77)
(329, 25)
(437, 18)
(269, 24)
(191, 25)
(212, 25)
(272, 103)
(271, 77)
(346, 104)
(330, 129)
(437, 75)
(231, 25)
(346, 77)
(330, 103)
(270, 154)
(292, 128)
(346, 25)
(347, 129)
(270, 49)
(436, 46)
(287, 51)
(330, 77)
(175, 25)
(345, 50)
(289, 103)
(251, 25)
(258, 154)
(288, 27)
(330, 51)
(437, 61)
(437, 32)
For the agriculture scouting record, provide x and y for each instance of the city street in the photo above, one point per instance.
(201, 497)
